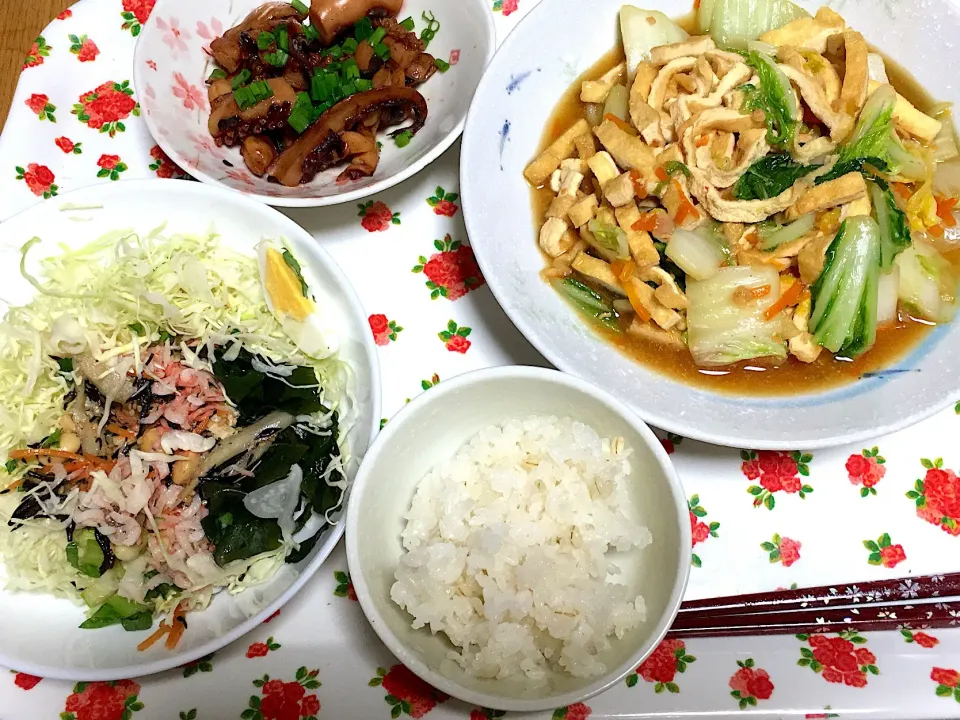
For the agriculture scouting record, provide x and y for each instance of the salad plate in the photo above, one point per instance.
(41, 632)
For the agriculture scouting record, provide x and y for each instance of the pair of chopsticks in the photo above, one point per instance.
(931, 601)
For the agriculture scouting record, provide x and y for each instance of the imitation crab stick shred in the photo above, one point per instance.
(158, 633)
(790, 297)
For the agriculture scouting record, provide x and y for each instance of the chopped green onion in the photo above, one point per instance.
(310, 32)
(322, 85)
(240, 79)
(350, 46)
(300, 7)
(363, 29)
(52, 440)
(10, 466)
(382, 51)
(378, 35)
(217, 74)
(402, 139)
(442, 65)
(301, 116)
(320, 109)
(348, 89)
(252, 94)
(350, 69)
(335, 51)
(408, 24)
(283, 39)
(430, 31)
(265, 40)
(277, 59)
(363, 85)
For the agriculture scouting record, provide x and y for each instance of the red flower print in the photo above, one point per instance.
(777, 471)
(486, 714)
(26, 682)
(285, 700)
(840, 660)
(699, 531)
(271, 617)
(191, 95)
(38, 51)
(68, 145)
(377, 217)
(782, 550)
(152, 64)
(883, 552)
(173, 35)
(103, 701)
(105, 107)
(866, 469)
(452, 272)
(108, 162)
(577, 711)
(944, 676)
(384, 330)
(40, 106)
(920, 638)
(455, 337)
(442, 202)
(669, 658)
(111, 167)
(405, 690)
(258, 649)
(163, 166)
(670, 442)
(750, 684)
(344, 585)
(507, 7)
(85, 49)
(454, 57)
(39, 179)
(211, 32)
(135, 14)
(65, 14)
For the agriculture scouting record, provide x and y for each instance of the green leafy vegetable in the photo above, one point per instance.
(137, 328)
(588, 301)
(10, 466)
(734, 23)
(52, 440)
(118, 610)
(66, 365)
(769, 176)
(84, 552)
(235, 532)
(844, 317)
(775, 97)
(611, 237)
(894, 228)
(142, 620)
(875, 143)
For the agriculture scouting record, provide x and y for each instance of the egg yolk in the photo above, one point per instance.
(283, 287)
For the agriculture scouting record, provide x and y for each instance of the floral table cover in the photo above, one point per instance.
(760, 520)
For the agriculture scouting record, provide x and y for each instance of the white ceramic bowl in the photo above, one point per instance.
(171, 65)
(536, 64)
(40, 633)
(429, 431)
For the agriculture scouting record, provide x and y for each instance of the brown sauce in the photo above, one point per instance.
(755, 377)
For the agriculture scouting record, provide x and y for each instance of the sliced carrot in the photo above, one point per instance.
(790, 297)
(625, 126)
(618, 267)
(12, 486)
(661, 174)
(176, 630)
(639, 184)
(121, 431)
(24, 453)
(635, 302)
(945, 208)
(686, 208)
(902, 190)
(626, 271)
(647, 221)
(157, 634)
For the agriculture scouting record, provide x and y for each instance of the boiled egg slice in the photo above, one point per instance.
(291, 301)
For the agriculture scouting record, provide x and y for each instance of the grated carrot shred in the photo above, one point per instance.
(625, 126)
(647, 221)
(945, 208)
(639, 185)
(703, 141)
(176, 629)
(661, 174)
(790, 297)
(902, 190)
(686, 207)
(157, 634)
(122, 432)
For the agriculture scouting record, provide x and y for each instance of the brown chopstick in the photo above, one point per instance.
(880, 591)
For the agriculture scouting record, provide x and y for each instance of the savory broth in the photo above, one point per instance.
(751, 377)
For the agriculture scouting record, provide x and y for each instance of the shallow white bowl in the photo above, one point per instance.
(536, 64)
(429, 431)
(170, 68)
(40, 633)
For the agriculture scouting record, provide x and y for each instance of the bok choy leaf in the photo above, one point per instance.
(894, 228)
(844, 317)
(928, 283)
(769, 176)
(588, 301)
(775, 97)
(733, 23)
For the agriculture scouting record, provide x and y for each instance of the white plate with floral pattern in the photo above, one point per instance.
(171, 65)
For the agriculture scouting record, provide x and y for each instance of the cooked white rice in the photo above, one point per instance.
(505, 550)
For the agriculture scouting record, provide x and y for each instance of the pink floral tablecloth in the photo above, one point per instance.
(760, 520)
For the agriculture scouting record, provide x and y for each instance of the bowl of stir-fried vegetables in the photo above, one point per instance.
(740, 221)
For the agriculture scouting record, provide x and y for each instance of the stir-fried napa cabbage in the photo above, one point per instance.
(643, 30)
(722, 329)
(928, 283)
(775, 97)
(119, 295)
(734, 23)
